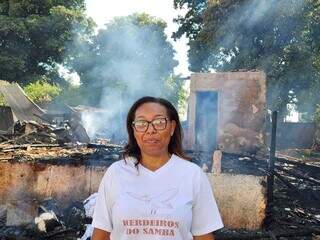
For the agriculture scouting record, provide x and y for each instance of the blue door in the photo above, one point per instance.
(206, 121)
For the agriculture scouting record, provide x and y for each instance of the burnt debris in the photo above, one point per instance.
(32, 132)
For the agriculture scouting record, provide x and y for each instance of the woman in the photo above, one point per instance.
(155, 192)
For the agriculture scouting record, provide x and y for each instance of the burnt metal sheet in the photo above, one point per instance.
(24, 109)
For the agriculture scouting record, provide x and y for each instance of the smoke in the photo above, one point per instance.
(110, 122)
(133, 61)
(269, 35)
(254, 13)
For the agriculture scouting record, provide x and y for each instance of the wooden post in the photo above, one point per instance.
(272, 156)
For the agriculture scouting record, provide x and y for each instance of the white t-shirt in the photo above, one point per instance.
(174, 202)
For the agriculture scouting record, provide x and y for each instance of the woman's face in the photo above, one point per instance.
(153, 140)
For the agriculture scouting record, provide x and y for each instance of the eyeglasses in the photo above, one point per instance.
(157, 124)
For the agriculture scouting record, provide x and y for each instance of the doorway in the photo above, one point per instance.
(206, 121)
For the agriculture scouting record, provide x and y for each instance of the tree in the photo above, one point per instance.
(192, 22)
(128, 59)
(131, 57)
(280, 37)
(35, 36)
(41, 91)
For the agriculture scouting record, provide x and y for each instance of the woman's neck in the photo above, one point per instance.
(154, 162)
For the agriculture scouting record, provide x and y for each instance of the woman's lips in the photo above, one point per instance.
(151, 141)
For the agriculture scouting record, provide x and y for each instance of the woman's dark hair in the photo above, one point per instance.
(175, 145)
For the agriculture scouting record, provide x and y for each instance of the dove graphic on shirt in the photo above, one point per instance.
(156, 201)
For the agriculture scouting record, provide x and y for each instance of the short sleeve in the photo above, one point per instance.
(102, 211)
(205, 214)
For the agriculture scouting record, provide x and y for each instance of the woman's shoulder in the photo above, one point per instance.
(186, 165)
(127, 161)
(119, 168)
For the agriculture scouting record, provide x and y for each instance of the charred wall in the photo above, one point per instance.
(37, 181)
(24, 185)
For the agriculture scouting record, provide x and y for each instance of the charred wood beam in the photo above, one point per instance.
(25, 146)
(300, 164)
(313, 228)
(270, 177)
(111, 146)
(4, 137)
(286, 182)
(297, 175)
(38, 134)
(294, 188)
(15, 139)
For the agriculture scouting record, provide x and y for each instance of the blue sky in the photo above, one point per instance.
(103, 11)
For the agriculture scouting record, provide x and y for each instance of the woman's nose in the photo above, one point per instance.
(151, 129)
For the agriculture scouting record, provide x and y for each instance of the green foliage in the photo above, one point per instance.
(281, 38)
(192, 22)
(131, 56)
(73, 96)
(2, 101)
(41, 91)
(35, 35)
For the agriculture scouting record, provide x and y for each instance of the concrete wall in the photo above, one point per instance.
(241, 198)
(31, 181)
(241, 109)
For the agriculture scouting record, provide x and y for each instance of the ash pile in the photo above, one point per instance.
(53, 222)
(49, 144)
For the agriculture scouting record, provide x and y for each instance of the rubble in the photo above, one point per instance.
(294, 214)
(32, 124)
(47, 221)
(62, 154)
(89, 205)
(31, 132)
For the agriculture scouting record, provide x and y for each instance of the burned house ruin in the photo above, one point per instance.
(226, 121)
(227, 111)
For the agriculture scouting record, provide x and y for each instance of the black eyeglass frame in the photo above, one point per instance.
(151, 122)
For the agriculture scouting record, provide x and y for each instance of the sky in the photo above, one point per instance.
(102, 11)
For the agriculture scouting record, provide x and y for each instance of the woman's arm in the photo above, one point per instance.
(99, 234)
(208, 236)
